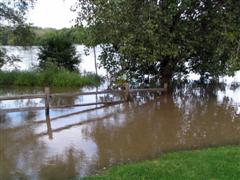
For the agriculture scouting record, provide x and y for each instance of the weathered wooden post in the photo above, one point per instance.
(127, 94)
(96, 96)
(47, 99)
(49, 127)
(165, 86)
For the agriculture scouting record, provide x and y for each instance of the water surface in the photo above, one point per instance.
(34, 146)
(29, 58)
(78, 141)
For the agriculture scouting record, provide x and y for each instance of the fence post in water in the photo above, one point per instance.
(165, 86)
(49, 127)
(47, 99)
(127, 95)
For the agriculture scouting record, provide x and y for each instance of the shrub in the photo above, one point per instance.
(58, 50)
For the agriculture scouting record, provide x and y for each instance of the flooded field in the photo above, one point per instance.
(85, 142)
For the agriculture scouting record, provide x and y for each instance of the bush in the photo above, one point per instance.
(59, 51)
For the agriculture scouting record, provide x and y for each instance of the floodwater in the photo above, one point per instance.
(82, 141)
(29, 58)
(85, 142)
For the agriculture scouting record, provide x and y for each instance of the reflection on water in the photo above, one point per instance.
(78, 141)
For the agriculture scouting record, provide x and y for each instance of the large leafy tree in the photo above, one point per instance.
(164, 38)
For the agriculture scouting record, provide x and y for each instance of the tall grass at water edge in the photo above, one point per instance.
(52, 78)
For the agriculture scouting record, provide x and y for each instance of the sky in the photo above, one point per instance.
(52, 13)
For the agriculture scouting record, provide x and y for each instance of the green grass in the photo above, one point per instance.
(216, 163)
(53, 78)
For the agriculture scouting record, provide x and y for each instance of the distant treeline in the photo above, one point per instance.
(27, 35)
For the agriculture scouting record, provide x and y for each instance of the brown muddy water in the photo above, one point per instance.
(35, 147)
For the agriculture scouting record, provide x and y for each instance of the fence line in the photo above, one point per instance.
(42, 96)
(47, 97)
(57, 117)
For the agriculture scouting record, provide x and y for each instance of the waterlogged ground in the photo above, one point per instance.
(79, 142)
(37, 147)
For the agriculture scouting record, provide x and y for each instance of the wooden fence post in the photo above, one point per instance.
(127, 94)
(47, 99)
(49, 127)
(165, 86)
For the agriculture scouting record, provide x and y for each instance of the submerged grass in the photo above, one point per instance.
(53, 78)
(215, 163)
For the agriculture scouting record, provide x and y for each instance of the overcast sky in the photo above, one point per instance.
(52, 13)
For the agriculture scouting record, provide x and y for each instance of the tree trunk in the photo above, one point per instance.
(95, 59)
(167, 69)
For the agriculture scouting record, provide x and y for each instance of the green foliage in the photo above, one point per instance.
(12, 17)
(13, 11)
(21, 35)
(41, 34)
(165, 38)
(77, 35)
(8, 60)
(2, 60)
(59, 51)
(12, 20)
(5, 34)
(216, 163)
(38, 36)
(50, 77)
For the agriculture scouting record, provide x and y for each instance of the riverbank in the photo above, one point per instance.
(213, 163)
(52, 78)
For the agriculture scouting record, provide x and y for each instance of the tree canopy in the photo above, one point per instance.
(165, 38)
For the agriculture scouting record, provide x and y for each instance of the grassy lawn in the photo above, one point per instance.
(215, 163)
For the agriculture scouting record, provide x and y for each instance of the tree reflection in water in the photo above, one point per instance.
(58, 168)
(192, 117)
